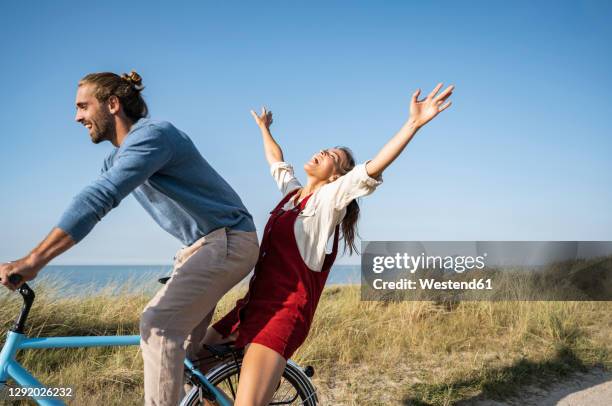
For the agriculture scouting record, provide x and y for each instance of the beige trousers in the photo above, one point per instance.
(175, 321)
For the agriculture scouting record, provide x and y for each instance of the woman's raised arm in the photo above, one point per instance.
(421, 112)
(273, 151)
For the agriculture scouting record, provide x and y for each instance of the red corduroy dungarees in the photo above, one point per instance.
(283, 293)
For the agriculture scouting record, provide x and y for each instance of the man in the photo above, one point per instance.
(164, 171)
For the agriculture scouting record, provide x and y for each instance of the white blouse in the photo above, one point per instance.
(325, 209)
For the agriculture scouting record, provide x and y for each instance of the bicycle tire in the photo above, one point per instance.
(293, 376)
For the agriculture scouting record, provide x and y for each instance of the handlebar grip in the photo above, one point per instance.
(15, 278)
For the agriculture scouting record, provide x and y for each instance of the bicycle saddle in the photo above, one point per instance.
(221, 350)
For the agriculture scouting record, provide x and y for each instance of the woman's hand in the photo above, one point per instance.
(273, 151)
(265, 120)
(421, 112)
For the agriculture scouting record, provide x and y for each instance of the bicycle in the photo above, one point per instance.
(216, 387)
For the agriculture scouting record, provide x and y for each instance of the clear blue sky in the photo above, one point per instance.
(524, 153)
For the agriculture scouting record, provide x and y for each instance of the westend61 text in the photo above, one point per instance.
(432, 284)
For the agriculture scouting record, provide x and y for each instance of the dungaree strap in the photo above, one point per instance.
(285, 200)
(331, 257)
(336, 238)
(274, 213)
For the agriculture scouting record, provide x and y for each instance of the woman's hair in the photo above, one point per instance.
(126, 88)
(349, 222)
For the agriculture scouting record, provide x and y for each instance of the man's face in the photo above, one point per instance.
(95, 116)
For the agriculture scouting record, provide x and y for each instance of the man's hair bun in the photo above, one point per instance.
(134, 79)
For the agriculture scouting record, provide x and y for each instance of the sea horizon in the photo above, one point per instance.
(78, 280)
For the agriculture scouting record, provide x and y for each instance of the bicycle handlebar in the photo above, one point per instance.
(15, 278)
(28, 298)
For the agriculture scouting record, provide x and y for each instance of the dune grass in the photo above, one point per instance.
(364, 353)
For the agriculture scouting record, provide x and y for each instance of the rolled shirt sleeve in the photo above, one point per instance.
(143, 153)
(354, 184)
(282, 172)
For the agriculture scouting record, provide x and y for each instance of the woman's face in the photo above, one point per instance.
(327, 164)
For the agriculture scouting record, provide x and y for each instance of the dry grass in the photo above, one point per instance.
(365, 353)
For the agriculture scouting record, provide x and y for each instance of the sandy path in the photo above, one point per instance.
(593, 388)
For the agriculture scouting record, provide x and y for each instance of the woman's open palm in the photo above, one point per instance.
(422, 111)
(265, 120)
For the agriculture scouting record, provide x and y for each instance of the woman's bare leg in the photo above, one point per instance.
(261, 371)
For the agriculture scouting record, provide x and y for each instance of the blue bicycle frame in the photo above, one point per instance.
(16, 340)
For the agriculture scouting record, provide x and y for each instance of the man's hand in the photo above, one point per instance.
(28, 267)
(265, 120)
(421, 112)
(24, 267)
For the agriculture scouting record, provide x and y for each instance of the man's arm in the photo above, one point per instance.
(139, 158)
(28, 267)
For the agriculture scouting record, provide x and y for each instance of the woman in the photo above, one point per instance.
(274, 318)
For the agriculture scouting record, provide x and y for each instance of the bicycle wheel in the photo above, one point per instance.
(294, 388)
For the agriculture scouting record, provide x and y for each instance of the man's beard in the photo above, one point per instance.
(103, 130)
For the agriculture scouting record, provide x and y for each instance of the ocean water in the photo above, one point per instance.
(77, 280)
